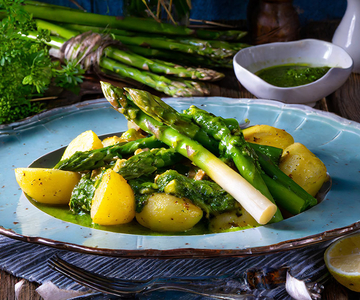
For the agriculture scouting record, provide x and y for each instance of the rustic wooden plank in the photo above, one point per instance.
(335, 291)
(7, 288)
(346, 100)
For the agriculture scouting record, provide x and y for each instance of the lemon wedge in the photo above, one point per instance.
(342, 259)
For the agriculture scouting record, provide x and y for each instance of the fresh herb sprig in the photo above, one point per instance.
(25, 65)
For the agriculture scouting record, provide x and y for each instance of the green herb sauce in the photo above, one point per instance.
(290, 75)
(63, 212)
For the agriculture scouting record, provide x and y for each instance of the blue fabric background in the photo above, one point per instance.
(213, 10)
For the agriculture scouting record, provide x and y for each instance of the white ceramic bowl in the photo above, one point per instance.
(310, 51)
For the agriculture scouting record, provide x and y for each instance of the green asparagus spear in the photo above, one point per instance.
(284, 197)
(147, 162)
(172, 87)
(234, 147)
(93, 159)
(272, 152)
(160, 111)
(215, 44)
(161, 67)
(273, 171)
(260, 207)
(287, 193)
(207, 195)
(223, 35)
(104, 30)
(61, 14)
(170, 44)
(184, 59)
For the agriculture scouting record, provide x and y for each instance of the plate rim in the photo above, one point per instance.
(180, 253)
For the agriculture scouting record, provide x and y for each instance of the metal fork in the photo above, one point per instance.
(225, 287)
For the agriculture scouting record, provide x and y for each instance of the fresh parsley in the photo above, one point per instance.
(26, 67)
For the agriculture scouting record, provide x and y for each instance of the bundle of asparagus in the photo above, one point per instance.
(151, 48)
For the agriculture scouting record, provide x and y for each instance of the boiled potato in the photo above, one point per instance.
(164, 212)
(112, 140)
(113, 202)
(128, 136)
(307, 170)
(231, 219)
(47, 185)
(268, 135)
(88, 140)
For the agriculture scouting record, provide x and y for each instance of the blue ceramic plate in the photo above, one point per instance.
(336, 141)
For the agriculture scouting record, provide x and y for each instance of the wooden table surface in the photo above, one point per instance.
(344, 102)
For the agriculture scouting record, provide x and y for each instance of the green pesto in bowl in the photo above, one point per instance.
(290, 75)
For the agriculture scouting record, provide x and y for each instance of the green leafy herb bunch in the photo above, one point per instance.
(26, 67)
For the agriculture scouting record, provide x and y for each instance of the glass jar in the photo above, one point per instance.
(272, 21)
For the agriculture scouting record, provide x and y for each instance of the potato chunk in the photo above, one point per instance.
(167, 213)
(128, 136)
(47, 185)
(88, 140)
(113, 202)
(231, 219)
(112, 140)
(268, 135)
(303, 167)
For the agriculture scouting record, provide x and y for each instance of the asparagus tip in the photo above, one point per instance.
(209, 75)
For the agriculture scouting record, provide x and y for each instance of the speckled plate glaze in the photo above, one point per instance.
(336, 141)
